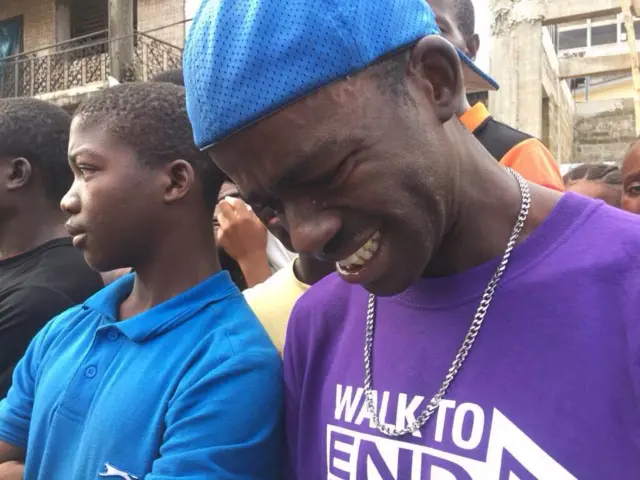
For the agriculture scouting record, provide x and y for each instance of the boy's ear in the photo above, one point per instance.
(17, 173)
(180, 179)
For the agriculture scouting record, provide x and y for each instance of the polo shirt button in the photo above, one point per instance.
(112, 335)
(90, 372)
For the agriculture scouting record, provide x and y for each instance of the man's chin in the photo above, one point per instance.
(100, 264)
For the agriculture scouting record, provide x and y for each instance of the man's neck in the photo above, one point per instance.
(486, 208)
(30, 229)
(178, 264)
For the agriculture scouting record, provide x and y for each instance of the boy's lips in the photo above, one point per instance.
(73, 229)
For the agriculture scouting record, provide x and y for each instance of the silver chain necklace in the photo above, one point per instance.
(481, 312)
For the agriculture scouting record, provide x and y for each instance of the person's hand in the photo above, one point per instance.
(244, 237)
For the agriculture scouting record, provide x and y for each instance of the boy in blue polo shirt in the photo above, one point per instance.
(166, 373)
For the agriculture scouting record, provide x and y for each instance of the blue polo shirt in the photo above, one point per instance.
(191, 389)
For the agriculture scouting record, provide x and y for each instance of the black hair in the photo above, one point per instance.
(152, 119)
(465, 16)
(174, 76)
(38, 131)
(609, 174)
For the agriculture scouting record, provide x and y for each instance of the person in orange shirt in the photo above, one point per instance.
(512, 148)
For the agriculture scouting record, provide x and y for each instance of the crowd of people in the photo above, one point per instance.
(311, 254)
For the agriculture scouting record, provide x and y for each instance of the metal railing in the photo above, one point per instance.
(66, 65)
(152, 56)
(83, 61)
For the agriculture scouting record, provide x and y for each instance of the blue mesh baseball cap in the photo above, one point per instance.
(245, 59)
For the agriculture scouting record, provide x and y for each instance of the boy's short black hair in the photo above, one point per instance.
(174, 76)
(152, 119)
(602, 172)
(38, 131)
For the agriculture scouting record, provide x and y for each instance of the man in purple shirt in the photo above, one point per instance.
(479, 327)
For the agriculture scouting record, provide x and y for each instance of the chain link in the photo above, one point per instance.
(469, 339)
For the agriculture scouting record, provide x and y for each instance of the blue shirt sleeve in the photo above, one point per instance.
(16, 408)
(226, 422)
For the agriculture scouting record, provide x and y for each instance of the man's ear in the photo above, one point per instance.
(473, 45)
(434, 68)
(180, 178)
(17, 174)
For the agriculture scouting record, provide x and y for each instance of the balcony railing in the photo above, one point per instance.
(74, 63)
(82, 62)
(152, 56)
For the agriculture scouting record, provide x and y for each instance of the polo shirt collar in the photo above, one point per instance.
(163, 317)
(474, 116)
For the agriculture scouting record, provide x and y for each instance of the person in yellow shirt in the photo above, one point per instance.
(273, 300)
(512, 148)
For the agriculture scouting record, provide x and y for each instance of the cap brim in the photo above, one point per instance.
(475, 80)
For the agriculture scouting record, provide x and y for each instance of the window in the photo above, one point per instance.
(577, 83)
(92, 16)
(573, 39)
(603, 34)
(10, 36)
(88, 16)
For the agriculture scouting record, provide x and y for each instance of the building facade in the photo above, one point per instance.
(64, 50)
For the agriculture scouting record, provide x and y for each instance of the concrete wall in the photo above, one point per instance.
(153, 14)
(557, 106)
(39, 21)
(518, 103)
(603, 130)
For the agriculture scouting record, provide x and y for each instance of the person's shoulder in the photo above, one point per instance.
(597, 235)
(329, 295)
(622, 228)
(36, 303)
(238, 333)
(234, 344)
(284, 278)
(605, 216)
(44, 308)
(499, 138)
(323, 307)
(273, 300)
(62, 267)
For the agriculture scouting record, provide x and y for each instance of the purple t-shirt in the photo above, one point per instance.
(550, 389)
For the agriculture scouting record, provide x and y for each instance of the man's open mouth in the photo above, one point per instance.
(357, 260)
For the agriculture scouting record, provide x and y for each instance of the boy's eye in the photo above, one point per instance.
(85, 169)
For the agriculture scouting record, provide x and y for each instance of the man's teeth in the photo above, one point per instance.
(363, 254)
